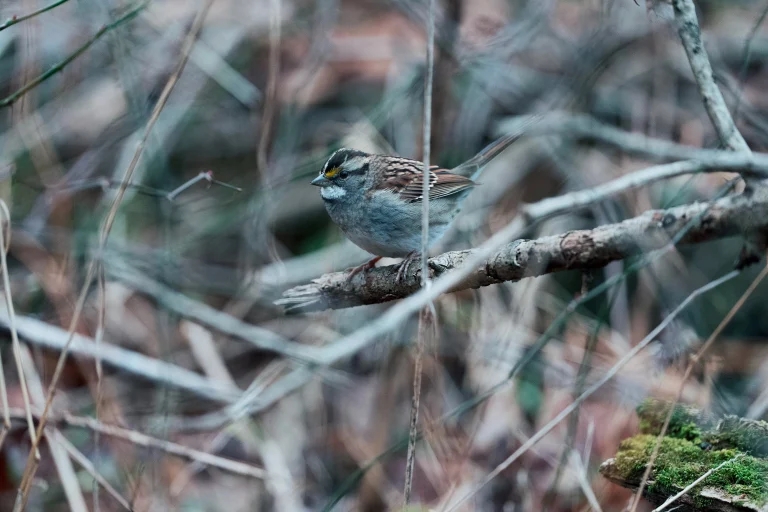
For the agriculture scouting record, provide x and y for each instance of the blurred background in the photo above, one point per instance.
(182, 304)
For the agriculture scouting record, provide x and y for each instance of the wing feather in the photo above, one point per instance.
(405, 178)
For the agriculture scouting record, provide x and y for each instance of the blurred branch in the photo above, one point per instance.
(88, 466)
(202, 313)
(61, 460)
(576, 126)
(213, 64)
(8, 101)
(39, 333)
(690, 35)
(13, 20)
(574, 250)
(256, 399)
(139, 439)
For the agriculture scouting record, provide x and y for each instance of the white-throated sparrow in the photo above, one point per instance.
(376, 199)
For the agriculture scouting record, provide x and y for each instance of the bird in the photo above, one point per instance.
(376, 199)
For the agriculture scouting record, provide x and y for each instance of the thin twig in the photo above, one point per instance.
(5, 242)
(40, 333)
(13, 20)
(425, 326)
(61, 460)
(132, 13)
(204, 314)
(714, 103)
(252, 402)
(581, 126)
(427, 137)
(98, 339)
(581, 378)
(88, 466)
(695, 483)
(580, 468)
(5, 237)
(139, 439)
(424, 323)
(203, 176)
(270, 97)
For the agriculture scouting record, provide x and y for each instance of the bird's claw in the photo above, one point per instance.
(405, 265)
(365, 267)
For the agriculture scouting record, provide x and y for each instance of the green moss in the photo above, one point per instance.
(749, 436)
(680, 462)
(683, 425)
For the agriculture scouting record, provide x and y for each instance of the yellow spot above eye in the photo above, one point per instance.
(330, 173)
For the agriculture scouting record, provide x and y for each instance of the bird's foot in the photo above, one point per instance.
(365, 267)
(405, 265)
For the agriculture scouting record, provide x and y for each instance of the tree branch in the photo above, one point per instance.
(690, 35)
(584, 249)
(41, 334)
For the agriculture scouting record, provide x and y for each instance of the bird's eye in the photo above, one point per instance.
(343, 175)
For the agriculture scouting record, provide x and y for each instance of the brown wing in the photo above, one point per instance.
(404, 176)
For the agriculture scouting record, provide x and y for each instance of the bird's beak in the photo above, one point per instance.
(321, 181)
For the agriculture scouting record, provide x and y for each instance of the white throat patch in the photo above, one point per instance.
(332, 192)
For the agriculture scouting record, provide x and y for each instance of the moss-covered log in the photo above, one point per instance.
(694, 444)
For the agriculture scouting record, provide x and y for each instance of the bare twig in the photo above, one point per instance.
(46, 335)
(206, 176)
(87, 465)
(139, 439)
(575, 126)
(427, 137)
(24, 17)
(132, 13)
(579, 467)
(714, 103)
(581, 377)
(424, 320)
(270, 98)
(199, 312)
(252, 402)
(61, 460)
(209, 459)
(695, 483)
(5, 242)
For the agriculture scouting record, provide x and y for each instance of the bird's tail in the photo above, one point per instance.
(474, 166)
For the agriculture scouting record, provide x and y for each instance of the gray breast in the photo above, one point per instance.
(385, 226)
